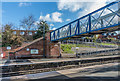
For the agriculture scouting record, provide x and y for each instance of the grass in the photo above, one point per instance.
(0, 44)
(106, 44)
(66, 48)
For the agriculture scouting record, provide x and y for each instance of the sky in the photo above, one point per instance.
(56, 13)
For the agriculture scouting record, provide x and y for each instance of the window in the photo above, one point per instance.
(114, 34)
(34, 51)
(118, 37)
(35, 32)
(1, 54)
(8, 47)
(14, 32)
(30, 33)
(22, 33)
(27, 49)
(105, 34)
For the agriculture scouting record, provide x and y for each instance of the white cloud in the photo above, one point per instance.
(36, 22)
(47, 17)
(90, 7)
(24, 4)
(54, 29)
(68, 19)
(54, 17)
(82, 5)
(71, 6)
(51, 24)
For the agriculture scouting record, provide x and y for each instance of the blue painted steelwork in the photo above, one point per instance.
(102, 18)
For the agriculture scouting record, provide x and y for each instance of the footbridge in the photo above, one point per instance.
(105, 19)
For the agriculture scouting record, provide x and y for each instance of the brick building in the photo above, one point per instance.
(34, 49)
(25, 33)
(107, 36)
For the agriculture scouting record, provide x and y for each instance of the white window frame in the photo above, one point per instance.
(14, 32)
(8, 48)
(34, 51)
(27, 49)
(22, 33)
(30, 33)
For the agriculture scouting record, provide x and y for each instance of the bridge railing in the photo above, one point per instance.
(105, 17)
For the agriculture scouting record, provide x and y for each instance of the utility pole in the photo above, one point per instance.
(43, 39)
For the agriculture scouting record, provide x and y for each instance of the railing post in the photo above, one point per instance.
(101, 23)
(54, 35)
(78, 27)
(50, 36)
(58, 34)
(70, 29)
(89, 23)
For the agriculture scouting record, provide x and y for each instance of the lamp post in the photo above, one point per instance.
(77, 48)
(43, 39)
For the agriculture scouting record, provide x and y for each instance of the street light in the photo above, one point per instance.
(77, 48)
(43, 38)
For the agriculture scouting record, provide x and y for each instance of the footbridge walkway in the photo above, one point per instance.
(97, 22)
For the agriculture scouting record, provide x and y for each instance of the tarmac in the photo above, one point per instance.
(47, 60)
(104, 72)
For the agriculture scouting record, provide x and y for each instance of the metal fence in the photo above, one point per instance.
(105, 17)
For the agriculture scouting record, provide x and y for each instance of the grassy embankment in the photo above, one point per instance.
(106, 44)
(66, 48)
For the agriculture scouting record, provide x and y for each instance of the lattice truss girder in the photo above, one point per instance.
(104, 17)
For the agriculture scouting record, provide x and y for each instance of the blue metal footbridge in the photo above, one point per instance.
(100, 21)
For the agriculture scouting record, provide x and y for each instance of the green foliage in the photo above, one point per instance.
(40, 30)
(9, 39)
(106, 44)
(0, 36)
(0, 40)
(67, 48)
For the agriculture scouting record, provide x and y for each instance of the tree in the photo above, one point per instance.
(7, 35)
(28, 24)
(40, 30)
(96, 37)
(9, 39)
(17, 40)
(0, 39)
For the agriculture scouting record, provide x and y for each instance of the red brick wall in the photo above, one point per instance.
(37, 45)
(54, 49)
(51, 49)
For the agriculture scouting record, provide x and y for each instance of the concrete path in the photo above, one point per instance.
(35, 61)
(96, 72)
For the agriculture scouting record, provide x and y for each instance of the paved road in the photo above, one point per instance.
(105, 72)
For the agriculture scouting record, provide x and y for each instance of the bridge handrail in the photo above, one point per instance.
(89, 15)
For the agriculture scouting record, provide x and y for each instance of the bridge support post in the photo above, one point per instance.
(52, 48)
(101, 23)
(89, 22)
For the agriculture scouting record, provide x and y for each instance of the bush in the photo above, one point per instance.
(66, 48)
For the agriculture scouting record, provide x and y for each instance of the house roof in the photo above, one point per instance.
(25, 45)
